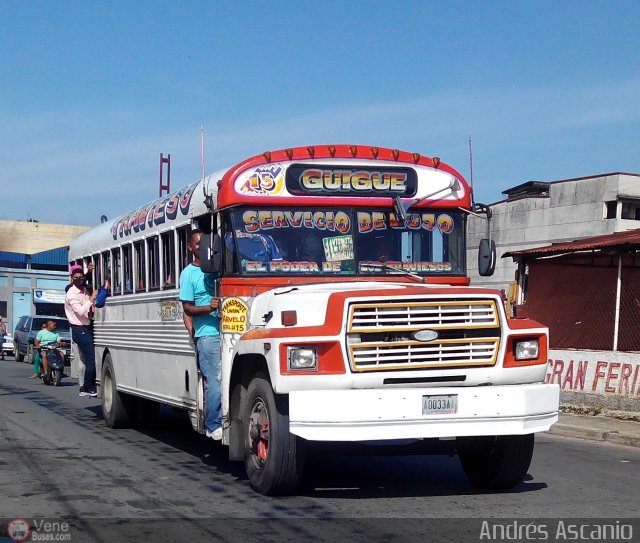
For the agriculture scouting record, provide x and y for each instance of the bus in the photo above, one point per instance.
(346, 315)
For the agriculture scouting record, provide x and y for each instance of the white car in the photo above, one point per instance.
(7, 346)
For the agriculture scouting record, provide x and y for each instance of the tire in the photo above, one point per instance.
(273, 457)
(117, 407)
(56, 377)
(496, 462)
(16, 348)
(29, 357)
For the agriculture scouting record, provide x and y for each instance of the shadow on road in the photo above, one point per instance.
(339, 470)
(333, 470)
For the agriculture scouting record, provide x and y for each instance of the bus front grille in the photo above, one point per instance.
(461, 333)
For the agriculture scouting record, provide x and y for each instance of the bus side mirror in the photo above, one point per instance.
(210, 253)
(486, 257)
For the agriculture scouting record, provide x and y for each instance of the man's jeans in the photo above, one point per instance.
(78, 363)
(209, 357)
(83, 337)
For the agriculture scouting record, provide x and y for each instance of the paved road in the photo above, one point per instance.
(59, 460)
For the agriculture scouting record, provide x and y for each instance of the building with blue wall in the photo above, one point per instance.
(32, 284)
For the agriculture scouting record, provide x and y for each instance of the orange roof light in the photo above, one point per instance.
(289, 318)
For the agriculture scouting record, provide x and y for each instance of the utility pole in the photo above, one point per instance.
(165, 186)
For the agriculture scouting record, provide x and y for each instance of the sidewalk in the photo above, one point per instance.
(598, 428)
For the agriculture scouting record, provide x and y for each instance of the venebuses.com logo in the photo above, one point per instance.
(20, 530)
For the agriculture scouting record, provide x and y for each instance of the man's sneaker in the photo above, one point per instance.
(91, 393)
(216, 435)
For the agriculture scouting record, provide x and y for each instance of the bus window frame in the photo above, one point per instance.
(167, 257)
(150, 262)
(124, 249)
(140, 274)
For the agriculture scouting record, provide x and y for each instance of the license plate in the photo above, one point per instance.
(440, 405)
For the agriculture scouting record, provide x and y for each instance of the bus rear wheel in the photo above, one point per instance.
(273, 457)
(117, 407)
(496, 462)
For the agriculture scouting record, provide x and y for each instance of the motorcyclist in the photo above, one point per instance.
(47, 336)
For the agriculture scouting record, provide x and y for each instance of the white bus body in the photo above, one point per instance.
(342, 347)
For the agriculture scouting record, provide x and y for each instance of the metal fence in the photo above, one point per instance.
(577, 297)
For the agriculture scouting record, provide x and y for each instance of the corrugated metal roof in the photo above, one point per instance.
(13, 257)
(58, 256)
(618, 240)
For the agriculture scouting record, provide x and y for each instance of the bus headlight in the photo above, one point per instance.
(303, 358)
(527, 350)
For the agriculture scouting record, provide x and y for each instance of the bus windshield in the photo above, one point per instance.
(341, 241)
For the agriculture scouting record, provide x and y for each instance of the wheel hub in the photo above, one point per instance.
(259, 432)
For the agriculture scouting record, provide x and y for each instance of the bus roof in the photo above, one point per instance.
(356, 174)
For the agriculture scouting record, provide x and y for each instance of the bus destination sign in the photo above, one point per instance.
(345, 181)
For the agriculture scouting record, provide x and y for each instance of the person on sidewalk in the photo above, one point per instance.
(197, 294)
(3, 332)
(79, 307)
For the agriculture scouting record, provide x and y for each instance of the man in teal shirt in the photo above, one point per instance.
(46, 336)
(199, 301)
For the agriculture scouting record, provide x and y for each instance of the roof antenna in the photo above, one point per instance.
(202, 149)
(208, 198)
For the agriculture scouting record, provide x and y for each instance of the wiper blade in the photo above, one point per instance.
(386, 268)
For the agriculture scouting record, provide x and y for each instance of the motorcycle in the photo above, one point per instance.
(55, 364)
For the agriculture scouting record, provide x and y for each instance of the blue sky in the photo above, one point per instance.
(92, 92)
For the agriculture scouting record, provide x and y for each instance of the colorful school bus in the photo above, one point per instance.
(346, 315)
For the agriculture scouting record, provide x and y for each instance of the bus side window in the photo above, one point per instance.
(154, 262)
(128, 269)
(97, 271)
(106, 269)
(183, 250)
(168, 260)
(116, 271)
(141, 284)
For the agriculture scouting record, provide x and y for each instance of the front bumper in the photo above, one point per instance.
(388, 414)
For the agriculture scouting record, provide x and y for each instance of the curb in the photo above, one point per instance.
(568, 430)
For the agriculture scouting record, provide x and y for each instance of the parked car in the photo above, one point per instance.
(7, 346)
(27, 329)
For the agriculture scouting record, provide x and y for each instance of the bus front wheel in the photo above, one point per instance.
(496, 462)
(273, 457)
